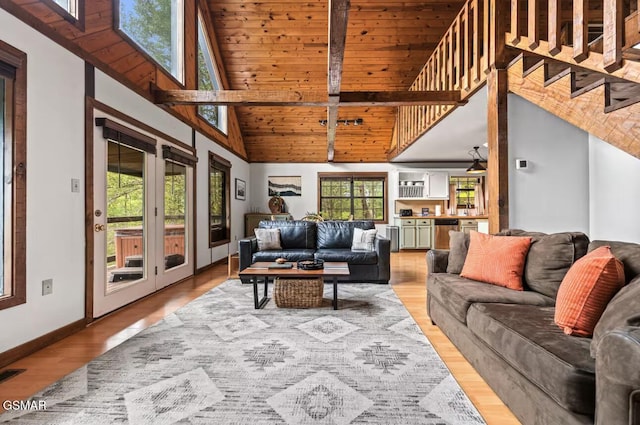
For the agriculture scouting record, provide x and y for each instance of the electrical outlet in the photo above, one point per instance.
(75, 185)
(47, 286)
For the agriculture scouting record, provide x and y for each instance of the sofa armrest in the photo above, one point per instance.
(437, 261)
(382, 247)
(246, 248)
(618, 377)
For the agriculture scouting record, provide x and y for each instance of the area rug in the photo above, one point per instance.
(217, 360)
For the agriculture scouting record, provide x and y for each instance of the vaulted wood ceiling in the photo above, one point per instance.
(271, 45)
(283, 45)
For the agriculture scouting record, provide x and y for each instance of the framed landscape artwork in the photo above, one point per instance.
(285, 185)
(241, 189)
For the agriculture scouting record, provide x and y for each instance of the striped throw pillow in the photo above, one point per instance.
(586, 290)
(496, 259)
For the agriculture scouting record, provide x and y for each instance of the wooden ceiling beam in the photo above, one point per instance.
(306, 98)
(338, 18)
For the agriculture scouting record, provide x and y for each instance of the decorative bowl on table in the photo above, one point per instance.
(280, 260)
(311, 264)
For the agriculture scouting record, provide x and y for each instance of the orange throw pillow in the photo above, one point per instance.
(496, 259)
(586, 290)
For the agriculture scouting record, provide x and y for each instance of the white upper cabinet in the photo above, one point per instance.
(423, 184)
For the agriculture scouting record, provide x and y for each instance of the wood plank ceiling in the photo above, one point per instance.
(282, 45)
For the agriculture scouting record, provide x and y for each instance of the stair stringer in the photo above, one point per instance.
(620, 128)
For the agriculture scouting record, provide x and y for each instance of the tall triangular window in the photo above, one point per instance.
(208, 79)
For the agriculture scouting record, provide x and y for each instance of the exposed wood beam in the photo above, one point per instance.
(332, 124)
(306, 98)
(338, 17)
(497, 138)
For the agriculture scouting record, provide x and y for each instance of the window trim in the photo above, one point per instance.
(201, 19)
(385, 195)
(18, 60)
(143, 52)
(225, 166)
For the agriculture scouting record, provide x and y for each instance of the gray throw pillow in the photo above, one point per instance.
(268, 239)
(458, 247)
(363, 239)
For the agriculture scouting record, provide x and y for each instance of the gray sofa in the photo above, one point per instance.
(543, 375)
(328, 241)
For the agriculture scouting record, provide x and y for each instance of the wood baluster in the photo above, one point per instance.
(488, 57)
(613, 30)
(580, 30)
(555, 14)
(476, 41)
(457, 51)
(533, 24)
(515, 21)
(466, 51)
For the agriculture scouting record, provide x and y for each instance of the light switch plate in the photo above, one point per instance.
(75, 185)
(47, 286)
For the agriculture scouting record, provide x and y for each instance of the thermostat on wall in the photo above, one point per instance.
(521, 163)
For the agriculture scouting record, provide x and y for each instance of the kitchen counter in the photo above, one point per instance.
(459, 217)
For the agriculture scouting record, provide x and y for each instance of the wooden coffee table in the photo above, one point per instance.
(261, 269)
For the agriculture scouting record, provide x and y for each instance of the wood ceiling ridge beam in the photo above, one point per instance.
(338, 18)
(307, 98)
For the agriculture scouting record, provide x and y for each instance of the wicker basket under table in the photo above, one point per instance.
(298, 292)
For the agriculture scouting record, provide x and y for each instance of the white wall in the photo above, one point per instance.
(298, 206)
(552, 194)
(239, 169)
(614, 200)
(55, 215)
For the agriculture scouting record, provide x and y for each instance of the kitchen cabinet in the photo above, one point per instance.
(415, 233)
(468, 225)
(251, 220)
(423, 184)
(424, 234)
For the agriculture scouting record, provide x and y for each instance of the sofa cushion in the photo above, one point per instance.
(363, 239)
(549, 258)
(268, 239)
(457, 294)
(526, 337)
(621, 311)
(586, 290)
(351, 257)
(496, 259)
(627, 252)
(339, 234)
(293, 234)
(289, 254)
(458, 247)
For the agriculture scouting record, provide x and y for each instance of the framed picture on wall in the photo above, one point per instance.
(241, 189)
(285, 185)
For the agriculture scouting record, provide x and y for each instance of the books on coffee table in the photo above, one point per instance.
(281, 266)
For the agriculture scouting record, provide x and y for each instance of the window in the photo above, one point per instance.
(13, 90)
(361, 196)
(465, 190)
(70, 6)
(219, 195)
(208, 79)
(157, 27)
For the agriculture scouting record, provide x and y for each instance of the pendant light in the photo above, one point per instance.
(476, 167)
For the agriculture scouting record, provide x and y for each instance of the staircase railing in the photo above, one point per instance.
(459, 62)
(596, 34)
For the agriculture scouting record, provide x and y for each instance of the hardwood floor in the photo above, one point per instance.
(408, 270)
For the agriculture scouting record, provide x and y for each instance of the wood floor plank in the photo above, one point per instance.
(408, 272)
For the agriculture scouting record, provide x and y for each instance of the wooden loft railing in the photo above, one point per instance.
(459, 62)
(589, 35)
(598, 35)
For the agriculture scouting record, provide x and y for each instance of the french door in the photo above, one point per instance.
(143, 232)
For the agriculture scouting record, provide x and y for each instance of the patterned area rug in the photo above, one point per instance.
(219, 361)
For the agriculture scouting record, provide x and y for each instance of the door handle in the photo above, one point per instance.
(99, 227)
